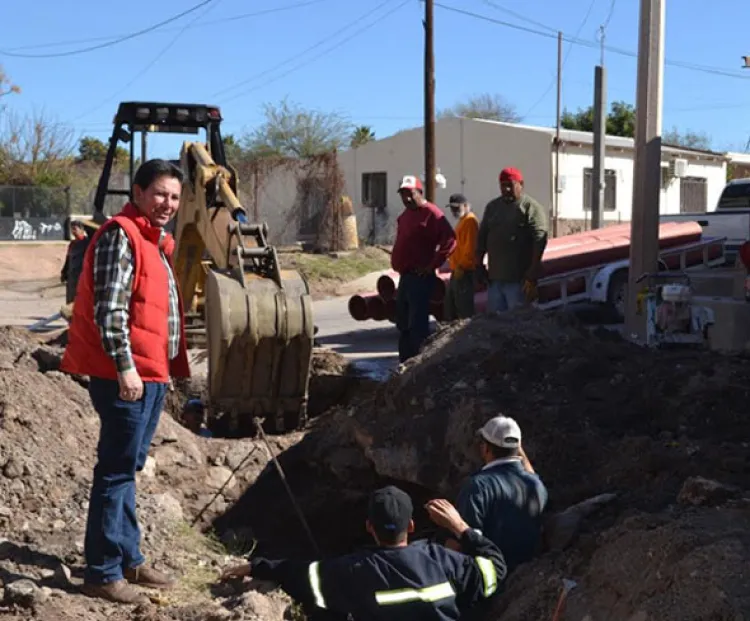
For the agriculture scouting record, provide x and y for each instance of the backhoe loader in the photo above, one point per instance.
(257, 318)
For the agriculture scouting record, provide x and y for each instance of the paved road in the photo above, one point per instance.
(372, 345)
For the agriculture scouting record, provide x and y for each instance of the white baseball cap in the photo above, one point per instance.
(501, 431)
(410, 182)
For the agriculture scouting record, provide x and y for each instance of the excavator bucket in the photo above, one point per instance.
(260, 338)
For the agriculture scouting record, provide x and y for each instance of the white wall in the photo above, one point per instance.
(574, 159)
(470, 154)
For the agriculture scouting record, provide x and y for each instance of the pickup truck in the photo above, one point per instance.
(730, 219)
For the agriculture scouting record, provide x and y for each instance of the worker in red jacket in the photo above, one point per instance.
(424, 239)
(127, 334)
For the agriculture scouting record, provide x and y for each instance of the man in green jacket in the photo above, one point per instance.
(513, 234)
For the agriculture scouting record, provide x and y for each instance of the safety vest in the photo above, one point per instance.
(149, 309)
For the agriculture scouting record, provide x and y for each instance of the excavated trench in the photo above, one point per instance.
(332, 500)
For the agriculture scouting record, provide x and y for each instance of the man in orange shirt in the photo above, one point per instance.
(459, 298)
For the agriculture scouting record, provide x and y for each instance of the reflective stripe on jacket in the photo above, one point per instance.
(419, 582)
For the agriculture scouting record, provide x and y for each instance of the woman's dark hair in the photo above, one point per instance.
(150, 171)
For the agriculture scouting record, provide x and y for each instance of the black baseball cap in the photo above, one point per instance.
(457, 199)
(390, 510)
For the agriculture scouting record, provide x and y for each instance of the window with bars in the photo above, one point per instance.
(375, 190)
(610, 189)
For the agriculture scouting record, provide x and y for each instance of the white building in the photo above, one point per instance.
(471, 153)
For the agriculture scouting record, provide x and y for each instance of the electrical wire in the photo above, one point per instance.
(565, 62)
(595, 45)
(523, 18)
(147, 67)
(100, 46)
(221, 20)
(304, 52)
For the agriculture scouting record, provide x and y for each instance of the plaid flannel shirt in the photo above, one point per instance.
(113, 286)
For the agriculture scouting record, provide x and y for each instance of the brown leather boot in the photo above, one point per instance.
(118, 591)
(148, 577)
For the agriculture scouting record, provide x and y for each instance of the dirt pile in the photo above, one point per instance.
(48, 435)
(599, 415)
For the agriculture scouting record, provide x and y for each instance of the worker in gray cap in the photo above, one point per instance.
(459, 296)
(506, 498)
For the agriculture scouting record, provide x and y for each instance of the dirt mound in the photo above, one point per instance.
(48, 435)
(599, 415)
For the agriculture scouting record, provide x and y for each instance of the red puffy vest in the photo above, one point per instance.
(149, 309)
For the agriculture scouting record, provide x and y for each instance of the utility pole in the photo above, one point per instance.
(600, 130)
(644, 225)
(556, 199)
(429, 102)
(144, 146)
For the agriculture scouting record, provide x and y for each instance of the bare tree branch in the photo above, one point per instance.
(483, 106)
(36, 150)
(292, 131)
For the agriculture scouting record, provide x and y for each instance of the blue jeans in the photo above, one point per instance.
(504, 296)
(413, 313)
(127, 427)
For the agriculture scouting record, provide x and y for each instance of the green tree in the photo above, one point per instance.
(688, 138)
(620, 120)
(362, 135)
(483, 106)
(232, 149)
(92, 149)
(290, 130)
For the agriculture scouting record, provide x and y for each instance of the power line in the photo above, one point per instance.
(100, 46)
(221, 20)
(147, 67)
(565, 61)
(309, 49)
(523, 18)
(595, 45)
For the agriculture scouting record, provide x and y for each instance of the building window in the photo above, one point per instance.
(375, 190)
(693, 195)
(610, 189)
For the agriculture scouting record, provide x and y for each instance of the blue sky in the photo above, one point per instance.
(365, 59)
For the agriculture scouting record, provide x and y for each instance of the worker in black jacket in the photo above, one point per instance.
(394, 580)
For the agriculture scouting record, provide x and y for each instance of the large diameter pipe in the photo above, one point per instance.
(386, 287)
(376, 307)
(358, 307)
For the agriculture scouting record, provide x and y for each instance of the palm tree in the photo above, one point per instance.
(362, 135)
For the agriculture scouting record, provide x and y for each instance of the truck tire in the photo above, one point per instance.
(617, 296)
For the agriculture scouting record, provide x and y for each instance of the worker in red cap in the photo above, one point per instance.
(513, 234)
(424, 239)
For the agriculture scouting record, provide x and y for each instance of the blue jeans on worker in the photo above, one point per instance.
(113, 538)
(504, 296)
(413, 312)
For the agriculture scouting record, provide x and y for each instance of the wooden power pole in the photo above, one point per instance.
(557, 190)
(429, 103)
(644, 225)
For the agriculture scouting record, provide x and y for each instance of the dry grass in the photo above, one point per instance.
(325, 273)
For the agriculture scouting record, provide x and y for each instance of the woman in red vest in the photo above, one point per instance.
(127, 334)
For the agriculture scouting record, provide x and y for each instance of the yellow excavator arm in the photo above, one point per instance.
(258, 318)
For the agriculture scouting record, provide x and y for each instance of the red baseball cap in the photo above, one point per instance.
(410, 182)
(511, 174)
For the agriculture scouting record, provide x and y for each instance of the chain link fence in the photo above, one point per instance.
(33, 213)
